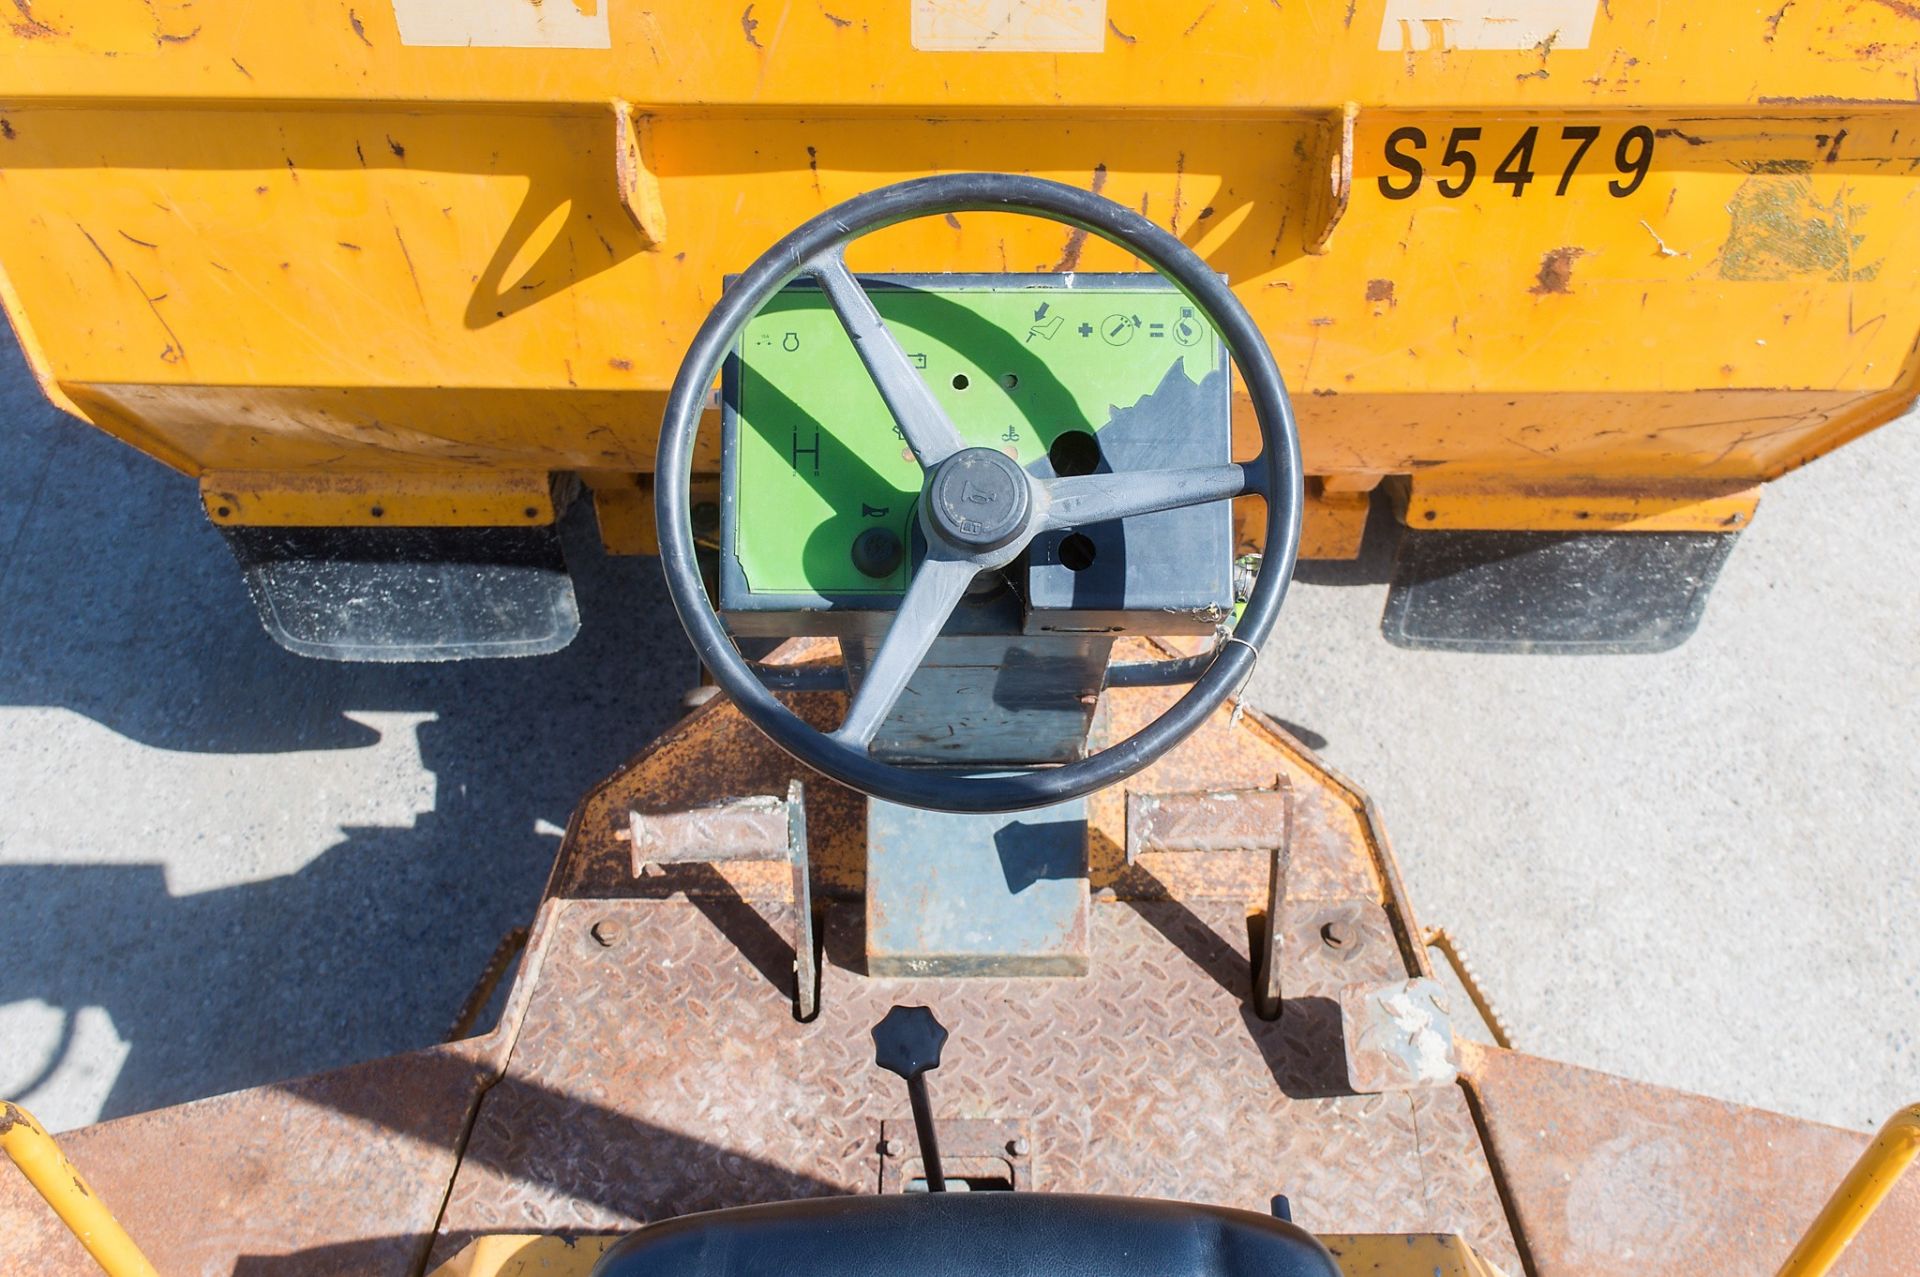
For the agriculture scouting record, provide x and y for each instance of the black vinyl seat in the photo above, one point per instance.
(971, 1235)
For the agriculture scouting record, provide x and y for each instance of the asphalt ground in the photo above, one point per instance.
(223, 865)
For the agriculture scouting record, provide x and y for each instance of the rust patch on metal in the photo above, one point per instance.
(1223, 820)
(28, 27)
(1556, 271)
(1610, 1178)
(710, 758)
(748, 25)
(1380, 290)
(1077, 238)
(1115, 28)
(751, 828)
(1782, 230)
(1179, 184)
(1331, 852)
(359, 27)
(1774, 19)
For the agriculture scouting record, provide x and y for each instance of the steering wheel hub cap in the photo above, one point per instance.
(978, 499)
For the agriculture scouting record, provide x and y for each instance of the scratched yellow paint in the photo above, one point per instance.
(248, 252)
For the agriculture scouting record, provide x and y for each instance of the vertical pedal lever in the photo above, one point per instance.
(907, 1041)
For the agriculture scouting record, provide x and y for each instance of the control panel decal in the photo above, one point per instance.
(819, 463)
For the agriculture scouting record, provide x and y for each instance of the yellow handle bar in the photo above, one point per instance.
(77, 1205)
(1865, 1186)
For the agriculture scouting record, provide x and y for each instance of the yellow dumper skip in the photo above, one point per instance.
(1545, 264)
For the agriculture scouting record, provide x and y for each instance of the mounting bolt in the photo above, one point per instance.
(607, 932)
(1336, 934)
(894, 1147)
(1017, 1146)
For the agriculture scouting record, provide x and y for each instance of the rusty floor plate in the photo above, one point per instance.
(666, 1074)
(332, 1175)
(1615, 1178)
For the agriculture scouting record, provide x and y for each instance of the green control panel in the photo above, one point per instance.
(1018, 361)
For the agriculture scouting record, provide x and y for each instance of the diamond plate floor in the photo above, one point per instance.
(666, 1074)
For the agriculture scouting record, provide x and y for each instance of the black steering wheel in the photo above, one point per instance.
(978, 509)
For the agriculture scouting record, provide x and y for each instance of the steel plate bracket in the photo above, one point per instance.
(761, 827)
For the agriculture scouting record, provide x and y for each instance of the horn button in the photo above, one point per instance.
(979, 499)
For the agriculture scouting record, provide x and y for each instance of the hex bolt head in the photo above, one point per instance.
(1017, 1146)
(607, 933)
(894, 1146)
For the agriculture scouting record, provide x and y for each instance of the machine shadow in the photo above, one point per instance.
(1303, 1049)
(124, 606)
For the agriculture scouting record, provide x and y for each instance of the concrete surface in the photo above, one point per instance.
(225, 865)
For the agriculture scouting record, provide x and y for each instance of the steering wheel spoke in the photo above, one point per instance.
(1096, 498)
(928, 430)
(935, 591)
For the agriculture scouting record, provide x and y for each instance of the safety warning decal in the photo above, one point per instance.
(504, 24)
(1414, 26)
(1009, 26)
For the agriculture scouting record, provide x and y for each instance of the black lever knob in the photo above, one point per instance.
(907, 1041)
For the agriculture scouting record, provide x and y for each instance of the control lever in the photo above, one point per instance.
(907, 1041)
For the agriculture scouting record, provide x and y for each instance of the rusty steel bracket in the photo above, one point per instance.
(971, 1150)
(758, 828)
(1399, 1036)
(633, 170)
(1227, 820)
(1332, 189)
